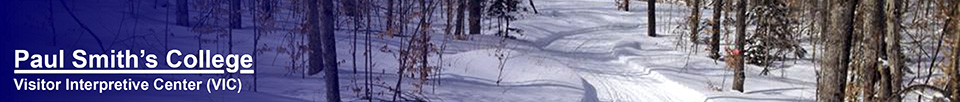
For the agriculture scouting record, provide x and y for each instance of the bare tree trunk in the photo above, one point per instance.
(461, 8)
(833, 65)
(893, 48)
(316, 54)
(403, 54)
(183, 13)
(695, 22)
(715, 39)
(534, 7)
(823, 15)
(475, 14)
(259, 31)
(424, 38)
(235, 14)
(651, 18)
(84, 26)
(450, 12)
(873, 31)
(738, 76)
(390, 6)
(368, 66)
(329, 51)
(53, 26)
(626, 5)
(953, 27)
(355, 5)
(324, 56)
(267, 5)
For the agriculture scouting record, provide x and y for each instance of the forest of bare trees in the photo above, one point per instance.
(311, 43)
(864, 48)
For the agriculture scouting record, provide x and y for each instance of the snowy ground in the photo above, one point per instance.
(609, 49)
(574, 50)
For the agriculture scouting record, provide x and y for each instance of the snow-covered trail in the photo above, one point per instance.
(607, 54)
(615, 64)
(610, 50)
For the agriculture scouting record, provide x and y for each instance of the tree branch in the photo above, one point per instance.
(83, 26)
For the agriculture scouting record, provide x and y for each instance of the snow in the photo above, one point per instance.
(609, 49)
(574, 50)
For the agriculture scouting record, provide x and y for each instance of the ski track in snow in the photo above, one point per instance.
(606, 58)
(612, 69)
(610, 50)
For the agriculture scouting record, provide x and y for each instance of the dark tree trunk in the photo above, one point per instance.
(390, 6)
(235, 14)
(355, 10)
(715, 39)
(329, 51)
(450, 14)
(316, 54)
(183, 13)
(695, 22)
(953, 27)
(267, 5)
(53, 26)
(476, 6)
(533, 6)
(366, 54)
(626, 5)
(651, 18)
(871, 47)
(832, 75)
(738, 76)
(324, 56)
(403, 53)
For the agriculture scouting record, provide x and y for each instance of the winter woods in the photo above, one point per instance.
(312, 46)
(867, 50)
(550, 50)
